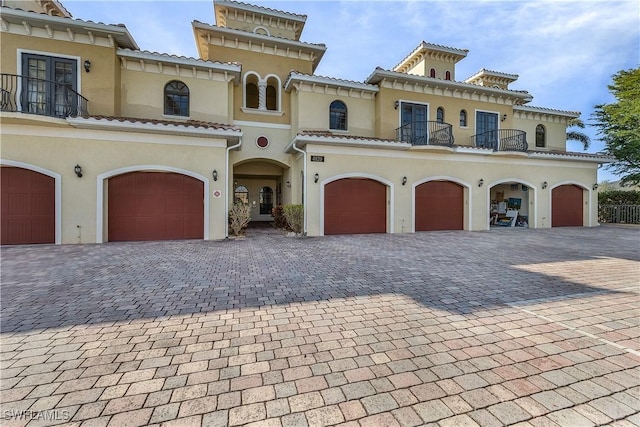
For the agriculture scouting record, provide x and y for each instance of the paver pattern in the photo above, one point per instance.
(505, 327)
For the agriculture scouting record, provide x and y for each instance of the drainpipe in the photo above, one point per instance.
(304, 183)
(226, 189)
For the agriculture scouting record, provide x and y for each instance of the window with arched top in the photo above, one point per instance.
(463, 118)
(241, 195)
(338, 115)
(447, 75)
(440, 115)
(432, 72)
(272, 94)
(251, 98)
(176, 99)
(541, 136)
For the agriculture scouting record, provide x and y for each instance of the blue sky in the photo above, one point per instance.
(565, 52)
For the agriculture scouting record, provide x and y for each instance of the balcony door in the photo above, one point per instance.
(486, 129)
(414, 123)
(49, 85)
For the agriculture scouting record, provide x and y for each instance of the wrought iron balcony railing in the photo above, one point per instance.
(501, 140)
(22, 94)
(426, 133)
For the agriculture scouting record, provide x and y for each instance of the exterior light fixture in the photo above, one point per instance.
(504, 117)
(404, 180)
(544, 185)
(215, 175)
(87, 65)
(78, 171)
(481, 182)
(595, 186)
(316, 177)
(396, 105)
(289, 184)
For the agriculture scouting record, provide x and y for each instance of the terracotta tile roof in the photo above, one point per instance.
(549, 110)
(329, 134)
(179, 57)
(330, 80)
(571, 154)
(271, 37)
(186, 123)
(77, 20)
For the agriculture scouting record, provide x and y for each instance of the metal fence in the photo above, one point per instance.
(619, 214)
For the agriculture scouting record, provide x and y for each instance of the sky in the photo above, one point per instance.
(564, 52)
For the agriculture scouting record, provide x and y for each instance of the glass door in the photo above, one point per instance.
(49, 85)
(486, 129)
(414, 123)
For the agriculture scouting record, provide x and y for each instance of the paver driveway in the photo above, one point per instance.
(537, 327)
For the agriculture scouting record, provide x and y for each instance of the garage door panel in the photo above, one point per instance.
(439, 205)
(28, 207)
(155, 206)
(354, 206)
(567, 206)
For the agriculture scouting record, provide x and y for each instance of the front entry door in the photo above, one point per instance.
(414, 123)
(486, 129)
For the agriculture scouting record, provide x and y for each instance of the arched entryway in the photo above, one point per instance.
(155, 205)
(28, 200)
(567, 206)
(439, 205)
(511, 203)
(355, 205)
(261, 181)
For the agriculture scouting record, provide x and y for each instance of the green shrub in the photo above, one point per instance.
(239, 217)
(619, 197)
(294, 215)
(279, 221)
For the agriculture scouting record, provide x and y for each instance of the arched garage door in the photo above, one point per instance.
(155, 206)
(439, 206)
(566, 206)
(355, 206)
(28, 207)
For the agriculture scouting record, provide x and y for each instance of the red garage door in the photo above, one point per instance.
(439, 206)
(355, 206)
(155, 206)
(28, 207)
(566, 206)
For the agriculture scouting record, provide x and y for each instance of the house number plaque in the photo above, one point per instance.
(317, 158)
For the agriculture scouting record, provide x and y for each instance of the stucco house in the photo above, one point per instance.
(103, 141)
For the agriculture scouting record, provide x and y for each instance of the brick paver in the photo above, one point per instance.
(536, 327)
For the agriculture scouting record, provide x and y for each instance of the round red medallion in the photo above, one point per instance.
(262, 142)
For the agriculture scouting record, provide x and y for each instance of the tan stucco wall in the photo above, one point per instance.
(143, 95)
(99, 152)
(462, 168)
(313, 112)
(423, 68)
(98, 86)
(556, 131)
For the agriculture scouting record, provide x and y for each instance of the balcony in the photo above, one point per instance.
(22, 94)
(501, 140)
(426, 133)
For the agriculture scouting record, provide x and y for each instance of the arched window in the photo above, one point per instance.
(463, 118)
(241, 195)
(251, 91)
(432, 73)
(176, 99)
(447, 75)
(440, 115)
(272, 94)
(338, 115)
(266, 200)
(541, 136)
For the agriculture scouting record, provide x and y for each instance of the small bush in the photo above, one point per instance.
(619, 197)
(294, 215)
(239, 217)
(279, 221)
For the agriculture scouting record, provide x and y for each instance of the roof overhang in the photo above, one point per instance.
(295, 77)
(164, 127)
(380, 75)
(220, 67)
(547, 111)
(424, 49)
(263, 42)
(257, 14)
(302, 140)
(117, 33)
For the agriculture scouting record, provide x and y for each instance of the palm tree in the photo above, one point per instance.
(574, 135)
